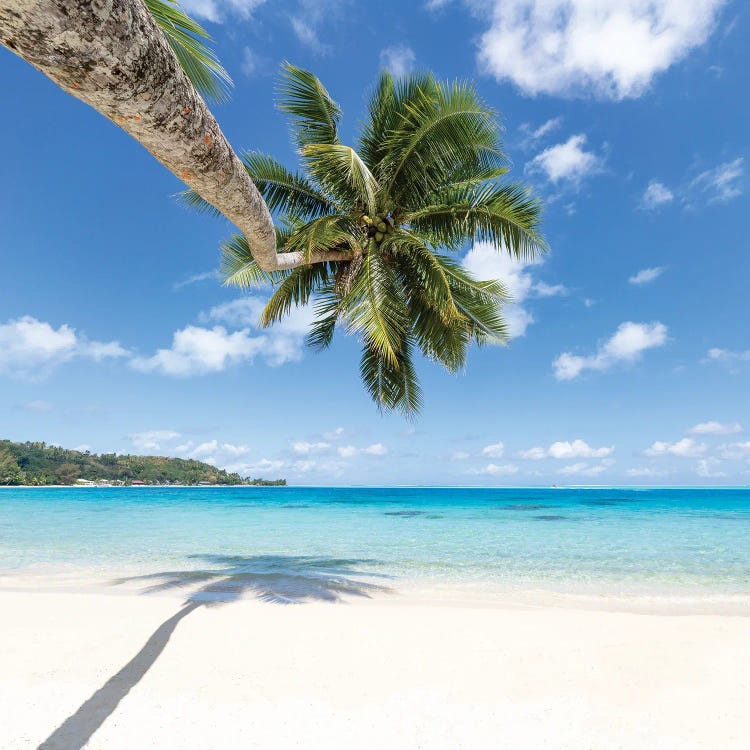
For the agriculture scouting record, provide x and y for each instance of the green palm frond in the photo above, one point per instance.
(294, 291)
(505, 215)
(187, 39)
(315, 115)
(392, 385)
(329, 232)
(190, 199)
(239, 267)
(375, 308)
(285, 191)
(341, 171)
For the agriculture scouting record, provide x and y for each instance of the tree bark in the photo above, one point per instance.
(112, 55)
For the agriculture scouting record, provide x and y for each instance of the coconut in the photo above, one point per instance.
(378, 236)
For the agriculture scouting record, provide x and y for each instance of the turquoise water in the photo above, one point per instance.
(695, 541)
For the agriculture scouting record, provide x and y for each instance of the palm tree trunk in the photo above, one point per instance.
(111, 55)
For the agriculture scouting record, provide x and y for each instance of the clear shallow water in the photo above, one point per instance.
(630, 541)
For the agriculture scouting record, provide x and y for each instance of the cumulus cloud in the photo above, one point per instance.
(685, 448)
(646, 472)
(728, 356)
(493, 451)
(610, 49)
(198, 350)
(218, 11)
(485, 262)
(655, 195)
(708, 468)
(32, 349)
(566, 449)
(627, 344)
(717, 185)
(496, 470)
(398, 60)
(306, 449)
(584, 469)
(646, 276)
(349, 451)
(735, 451)
(716, 428)
(567, 162)
(152, 440)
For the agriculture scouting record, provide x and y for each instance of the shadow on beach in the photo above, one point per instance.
(278, 579)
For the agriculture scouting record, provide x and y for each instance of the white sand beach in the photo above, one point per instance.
(378, 673)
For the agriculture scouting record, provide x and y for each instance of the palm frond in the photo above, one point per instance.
(239, 268)
(190, 199)
(186, 37)
(341, 172)
(294, 291)
(391, 384)
(505, 215)
(375, 308)
(315, 115)
(329, 232)
(285, 191)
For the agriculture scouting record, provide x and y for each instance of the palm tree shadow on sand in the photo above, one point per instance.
(278, 579)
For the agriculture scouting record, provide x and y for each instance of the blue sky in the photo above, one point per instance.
(631, 353)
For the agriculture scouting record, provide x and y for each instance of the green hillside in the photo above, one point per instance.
(42, 464)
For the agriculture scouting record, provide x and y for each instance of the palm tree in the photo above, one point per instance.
(424, 180)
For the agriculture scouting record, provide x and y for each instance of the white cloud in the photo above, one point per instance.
(718, 185)
(349, 451)
(485, 262)
(460, 455)
(566, 449)
(336, 434)
(708, 468)
(566, 162)
(646, 275)
(532, 454)
(606, 48)
(493, 451)
(306, 449)
(152, 440)
(217, 11)
(31, 349)
(627, 344)
(249, 62)
(735, 451)
(83, 448)
(728, 357)
(198, 351)
(532, 135)
(195, 278)
(644, 471)
(656, 194)
(309, 16)
(716, 428)
(398, 60)
(584, 469)
(495, 470)
(685, 448)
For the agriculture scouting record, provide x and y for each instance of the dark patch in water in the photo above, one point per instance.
(294, 505)
(551, 518)
(609, 501)
(531, 506)
(404, 513)
(434, 515)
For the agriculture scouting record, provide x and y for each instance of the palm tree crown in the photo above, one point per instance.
(423, 181)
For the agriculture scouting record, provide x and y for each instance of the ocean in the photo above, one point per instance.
(692, 542)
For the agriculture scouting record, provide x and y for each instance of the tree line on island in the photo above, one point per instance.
(39, 464)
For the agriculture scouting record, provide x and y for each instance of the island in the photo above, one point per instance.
(38, 464)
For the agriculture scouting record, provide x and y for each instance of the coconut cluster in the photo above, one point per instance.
(378, 227)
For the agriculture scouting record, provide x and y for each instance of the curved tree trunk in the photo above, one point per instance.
(112, 55)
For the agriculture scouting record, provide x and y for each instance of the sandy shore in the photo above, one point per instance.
(126, 671)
